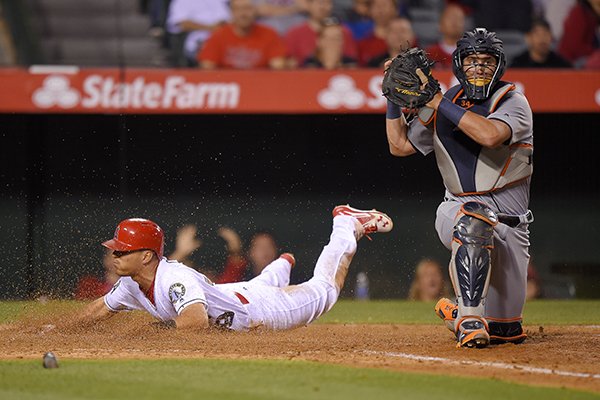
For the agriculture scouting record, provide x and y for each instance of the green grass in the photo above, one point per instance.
(247, 379)
(275, 379)
(547, 312)
(543, 312)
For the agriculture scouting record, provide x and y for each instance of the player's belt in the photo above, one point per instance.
(241, 297)
(515, 220)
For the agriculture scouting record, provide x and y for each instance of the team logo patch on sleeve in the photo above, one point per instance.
(176, 292)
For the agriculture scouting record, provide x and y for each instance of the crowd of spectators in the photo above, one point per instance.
(277, 34)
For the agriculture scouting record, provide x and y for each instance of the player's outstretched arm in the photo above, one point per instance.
(192, 317)
(93, 312)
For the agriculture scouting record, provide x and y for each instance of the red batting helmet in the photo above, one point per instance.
(137, 234)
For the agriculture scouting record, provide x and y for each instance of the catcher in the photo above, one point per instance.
(481, 134)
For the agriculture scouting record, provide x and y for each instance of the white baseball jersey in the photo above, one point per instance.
(265, 301)
(176, 287)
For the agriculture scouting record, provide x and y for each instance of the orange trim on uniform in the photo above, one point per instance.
(510, 88)
(478, 216)
(460, 321)
(457, 240)
(425, 123)
(520, 145)
(516, 319)
(493, 190)
(458, 95)
(241, 297)
(506, 166)
(509, 338)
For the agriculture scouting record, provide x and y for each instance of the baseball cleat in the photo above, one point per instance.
(372, 221)
(447, 311)
(289, 257)
(472, 332)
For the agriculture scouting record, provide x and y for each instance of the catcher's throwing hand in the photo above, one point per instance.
(408, 81)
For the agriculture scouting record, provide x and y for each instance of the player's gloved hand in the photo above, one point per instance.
(408, 81)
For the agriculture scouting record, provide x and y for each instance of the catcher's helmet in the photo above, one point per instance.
(478, 41)
(137, 234)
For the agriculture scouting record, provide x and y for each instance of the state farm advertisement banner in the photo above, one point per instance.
(48, 89)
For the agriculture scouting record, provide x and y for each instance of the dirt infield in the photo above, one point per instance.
(559, 356)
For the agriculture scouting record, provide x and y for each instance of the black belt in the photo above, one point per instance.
(515, 220)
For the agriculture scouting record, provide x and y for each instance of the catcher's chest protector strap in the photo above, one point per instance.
(466, 166)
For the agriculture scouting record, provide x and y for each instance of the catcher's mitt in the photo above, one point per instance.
(408, 81)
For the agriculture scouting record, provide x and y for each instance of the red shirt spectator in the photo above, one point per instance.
(370, 47)
(579, 34)
(382, 12)
(442, 55)
(226, 49)
(90, 287)
(452, 26)
(301, 42)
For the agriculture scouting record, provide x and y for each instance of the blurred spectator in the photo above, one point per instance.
(329, 53)
(301, 40)
(157, 11)
(222, 265)
(382, 12)
(243, 44)
(429, 283)
(533, 283)
(580, 35)
(496, 15)
(593, 61)
(262, 251)
(555, 12)
(190, 23)
(452, 27)
(539, 52)
(400, 36)
(91, 287)
(281, 15)
(358, 19)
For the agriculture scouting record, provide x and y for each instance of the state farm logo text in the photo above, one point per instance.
(99, 91)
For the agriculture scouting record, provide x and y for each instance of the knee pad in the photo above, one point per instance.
(471, 255)
(506, 332)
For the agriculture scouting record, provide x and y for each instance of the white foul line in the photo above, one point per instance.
(525, 368)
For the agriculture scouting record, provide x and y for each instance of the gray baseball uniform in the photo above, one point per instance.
(499, 178)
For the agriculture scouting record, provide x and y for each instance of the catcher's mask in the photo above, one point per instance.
(478, 41)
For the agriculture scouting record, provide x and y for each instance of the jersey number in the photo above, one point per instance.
(225, 320)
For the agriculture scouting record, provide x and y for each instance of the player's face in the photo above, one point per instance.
(479, 68)
(128, 263)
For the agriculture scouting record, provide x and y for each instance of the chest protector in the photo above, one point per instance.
(467, 167)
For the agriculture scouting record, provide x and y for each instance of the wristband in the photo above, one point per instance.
(451, 111)
(393, 111)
